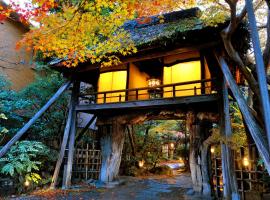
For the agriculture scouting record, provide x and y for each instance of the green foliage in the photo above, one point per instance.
(19, 107)
(165, 126)
(23, 162)
(26, 159)
(214, 14)
(238, 138)
(150, 136)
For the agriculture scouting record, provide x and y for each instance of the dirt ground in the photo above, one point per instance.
(131, 188)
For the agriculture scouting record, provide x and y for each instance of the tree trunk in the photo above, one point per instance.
(146, 135)
(112, 141)
(131, 140)
(198, 157)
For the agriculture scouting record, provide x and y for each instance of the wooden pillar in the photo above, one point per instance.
(253, 127)
(112, 141)
(229, 178)
(63, 148)
(198, 157)
(74, 101)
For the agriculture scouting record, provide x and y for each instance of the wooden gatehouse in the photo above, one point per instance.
(181, 71)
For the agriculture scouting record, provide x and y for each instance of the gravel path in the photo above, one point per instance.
(146, 188)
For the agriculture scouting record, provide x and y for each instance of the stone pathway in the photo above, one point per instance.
(144, 188)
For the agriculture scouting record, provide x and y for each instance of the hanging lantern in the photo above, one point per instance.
(153, 82)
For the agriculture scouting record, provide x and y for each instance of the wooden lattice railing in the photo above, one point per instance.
(190, 88)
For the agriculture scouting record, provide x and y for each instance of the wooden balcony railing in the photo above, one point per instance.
(190, 88)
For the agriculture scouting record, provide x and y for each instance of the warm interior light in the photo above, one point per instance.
(212, 150)
(182, 72)
(141, 163)
(26, 183)
(153, 82)
(245, 162)
(110, 81)
(172, 145)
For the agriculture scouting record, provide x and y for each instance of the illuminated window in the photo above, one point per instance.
(182, 72)
(111, 81)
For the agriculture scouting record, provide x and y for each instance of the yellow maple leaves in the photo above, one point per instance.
(90, 31)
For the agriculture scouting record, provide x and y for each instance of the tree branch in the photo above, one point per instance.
(226, 35)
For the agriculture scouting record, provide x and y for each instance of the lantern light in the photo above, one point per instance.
(245, 162)
(141, 163)
(26, 183)
(212, 150)
(172, 145)
(153, 82)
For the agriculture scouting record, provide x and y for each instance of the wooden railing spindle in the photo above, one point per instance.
(104, 98)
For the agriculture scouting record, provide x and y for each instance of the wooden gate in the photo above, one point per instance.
(252, 179)
(87, 162)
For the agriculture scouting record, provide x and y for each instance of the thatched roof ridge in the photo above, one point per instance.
(180, 28)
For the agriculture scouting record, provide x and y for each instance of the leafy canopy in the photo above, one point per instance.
(87, 30)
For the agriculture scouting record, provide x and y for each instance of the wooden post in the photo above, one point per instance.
(260, 68)
(74, 101)
(86, 162)
(64, 176)
(229, 179)
(253, 127)
(63, 147)
(104, 97)
(112, 141)
(19, 134)
(119, 97)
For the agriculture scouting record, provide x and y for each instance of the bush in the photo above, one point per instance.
(23, 161)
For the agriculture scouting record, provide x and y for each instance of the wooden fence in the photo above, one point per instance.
(87, 162)
(252, 180)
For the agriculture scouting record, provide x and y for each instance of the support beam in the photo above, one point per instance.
(19, 134)
(74, 101)
(253, 127)
(260, 68)
(63, 147)
(78, 137)
(229, 179)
